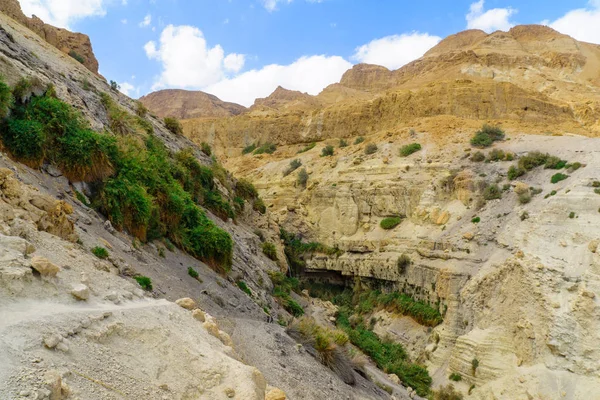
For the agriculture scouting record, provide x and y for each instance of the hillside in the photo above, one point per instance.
(185, 104)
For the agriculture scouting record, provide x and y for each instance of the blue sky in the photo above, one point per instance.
(243, 49)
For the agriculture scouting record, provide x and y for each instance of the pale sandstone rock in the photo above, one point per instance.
(186, 303)
(44, 266)
(81, 292)
(199, 315)
(468, 236)
(593, 245)
(394, 378)
(212, 328)
(225, 338)
(274, 393)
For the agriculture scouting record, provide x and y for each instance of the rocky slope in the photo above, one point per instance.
(185, 104)
(514, 278)
(78, 326)
(64, 40)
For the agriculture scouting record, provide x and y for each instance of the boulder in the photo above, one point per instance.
(187, 303)
(80, 292)
(274, 393)
(199, 315)
(44, 266)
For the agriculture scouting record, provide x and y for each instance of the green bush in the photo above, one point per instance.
(515, 172)
(270, 250)
(77, 56)
(554, 162)
(246, 190)
(215, 202)
(492, 192)
(448, 393)
(327, 151)
(100, 252)
(249, 149)
(371, 148)
(302, 177)
(193, 273)
(343, 143)
(525, 197)
(455, 377)
(140, 109)
(474, 365)
(390, 222)
(268, 148)
(205, 147)
(478, 157)
(558, 177)
(359, 140)
(26, 141)
(496, 155)
(259, 205)
(6, 99)
(144, 282)
(572, 214)
(574, 166)
(476, 220)
(244, 288)
(486, 136)
(173, 125)
(294, 165)
(532, 160)
(307, 148)
(121, 122)
(409, 149)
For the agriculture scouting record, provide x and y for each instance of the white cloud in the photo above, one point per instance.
(127, 89)
(307, 74)
(124, 21)
(188, 61)
(61, 13)
(271, 5)
(395, 51)
(490, 20)
(146, 21)
(582, 24)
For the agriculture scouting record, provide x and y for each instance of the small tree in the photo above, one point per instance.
(115, 87)
(327, 151)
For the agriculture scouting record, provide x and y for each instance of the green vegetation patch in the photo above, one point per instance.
(558, 177)
(100, 252)
(486, 136)
(390, 222)
(307, 147)
(267, 148)
(144, 282)
(270, 250)
(409, 149)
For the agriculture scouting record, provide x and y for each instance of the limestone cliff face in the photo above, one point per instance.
(185, 104)
(62, 39)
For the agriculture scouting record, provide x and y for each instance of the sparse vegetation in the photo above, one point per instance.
(492, 192)
(515, 172)
(524, 215)
(474, 365)
(573, 167)
(114, 86)
(554, 162)
(269, 250)
(496, 155)
(77, 56)
(173, 125)
(100, 252)
(294, 165)
(282, 287)
(327, 151)
(572, 214)
(249, 149)
(486, 136)
(193, 273)
(205, 147)
(478, 156)
(144, 282)
(295, 249)
(302, 177)
(6, 99)
(476, 220)
(307, 148)
(359, 140)
(244, 288)
(140, 109)
(267, 148)
(525, 197)
(371, 148)
(343, 143)
(558, 177)
(403, 262)
(409, 149)
(390, 222)
(246, 190)
(259, 206)
(447, 393)
(456, 377)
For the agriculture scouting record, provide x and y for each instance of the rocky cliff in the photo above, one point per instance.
(185, 104)
(77, 45)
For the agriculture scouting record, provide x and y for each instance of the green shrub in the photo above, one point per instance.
(100, 252)
(409, 149)
(259, 205)
(558, 177)
(478, 157)
(239, 204)
(456, 377)
(205, 147)
(486, 136)
(121, 122)
(524, 215)
(554, 162)
(327, 151)
(144, 282)
(215, 202)
(447, 393)
(343, 143)
(294, 165)
(307, 148)
(390, 222)
(268, 148)
(496, 155)
(77, 56)
(6, 99)
(359, 140)
(249, 149)
(246, 190)
(474, 365)
(371, 148)
(270, 250)
(173, 125)
(572, 214)
(515, 172)
(26, 141)
(244, 288)
(140, 109)
(476, 220)
(492, 192)
(193, 273)
(114, 86)
(302, 177)
(525, 197)
(574, 167)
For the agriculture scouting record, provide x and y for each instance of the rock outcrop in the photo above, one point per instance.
(77, 45)
(186, 104)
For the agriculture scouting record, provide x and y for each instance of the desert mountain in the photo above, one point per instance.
(185, 104)
(77, 45)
